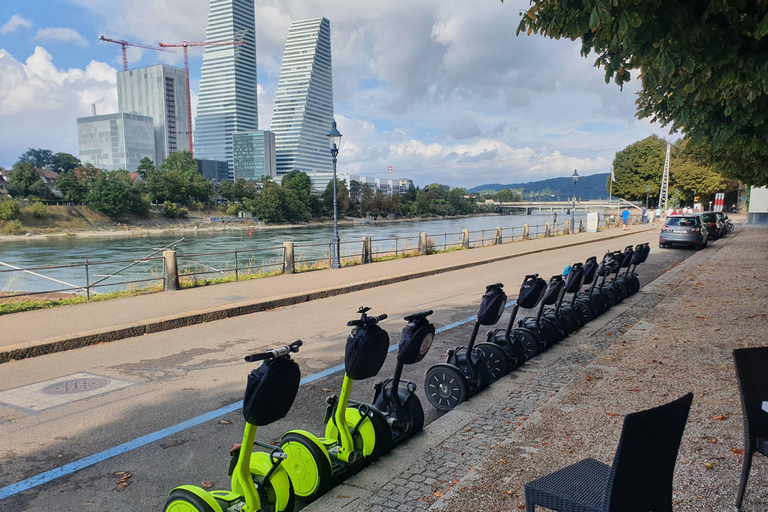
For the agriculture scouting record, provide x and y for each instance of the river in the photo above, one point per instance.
(55, 251)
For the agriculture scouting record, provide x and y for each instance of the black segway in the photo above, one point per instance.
(395, 398)
(604, 271)
(630, 277)
(466, 373)
(592, 296)
(614, 281)
(562, 318)
(580, 309)
(547, 331)
(521, 344)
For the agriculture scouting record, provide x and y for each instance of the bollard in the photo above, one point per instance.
(547, 230)
(170, 271)
(567, 228)
(423, 244)
(288, 262)
(465, 239)
(581, 226)
(367, 255)
(525, 231)
(499, 236)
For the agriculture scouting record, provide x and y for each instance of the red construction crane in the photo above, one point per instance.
(138, 45)
(186, 45)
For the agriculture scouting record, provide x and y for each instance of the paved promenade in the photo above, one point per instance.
(45, 331)
(676, 335)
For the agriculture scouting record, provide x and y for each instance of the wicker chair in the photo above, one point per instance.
(752, 374)
(640, 479)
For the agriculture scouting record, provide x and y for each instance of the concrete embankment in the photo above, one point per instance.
(35, 333)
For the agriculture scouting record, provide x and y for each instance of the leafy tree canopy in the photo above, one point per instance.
(703, 67)
(238, 190)
(64, 162)
(145, 166)
(40, 158)
(179, 181)
(25, 182)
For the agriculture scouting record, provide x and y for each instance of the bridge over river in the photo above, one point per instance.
(530, 207)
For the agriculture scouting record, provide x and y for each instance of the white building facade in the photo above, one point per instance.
(227, 101)
(319, 182)
(159, 92)
(112, 142)
(304, 102)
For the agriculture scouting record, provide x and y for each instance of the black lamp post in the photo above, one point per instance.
(575, 177)
(334, 141)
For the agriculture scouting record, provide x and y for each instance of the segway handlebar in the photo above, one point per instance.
(275, 353)
(420, 314)
(369, 319)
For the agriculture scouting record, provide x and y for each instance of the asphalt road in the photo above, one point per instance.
(181, 374)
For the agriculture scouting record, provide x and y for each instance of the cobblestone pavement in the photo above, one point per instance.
(674, 336)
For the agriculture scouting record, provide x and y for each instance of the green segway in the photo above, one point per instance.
(259, 482)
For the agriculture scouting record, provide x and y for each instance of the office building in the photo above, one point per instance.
(304, 103)
(159, 92)
(254, 154)
(213, 170)
(227, 101)
(112, 142)
(319, 182)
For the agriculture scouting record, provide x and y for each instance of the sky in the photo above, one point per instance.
(441, 90)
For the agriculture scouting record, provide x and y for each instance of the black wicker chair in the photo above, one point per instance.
(640, 479)
(752, 374)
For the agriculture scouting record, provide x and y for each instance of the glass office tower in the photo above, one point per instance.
(304, 102)
(254, 154)
(227, 101)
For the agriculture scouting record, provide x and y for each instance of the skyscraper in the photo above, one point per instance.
(254, 154)
(158, 92)
(227, 101)
(113, 142)
(304, 103)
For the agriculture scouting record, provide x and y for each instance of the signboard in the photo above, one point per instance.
(719, 200)
(390, 169)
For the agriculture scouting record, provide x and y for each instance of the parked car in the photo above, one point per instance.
(684, 230)
(715, 228)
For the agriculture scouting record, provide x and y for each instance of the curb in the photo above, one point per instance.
(186, 320)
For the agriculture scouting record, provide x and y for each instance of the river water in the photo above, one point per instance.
(311, 244)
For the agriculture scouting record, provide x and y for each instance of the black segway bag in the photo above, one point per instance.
(492, 305)
(554, 287)
(641, 254)
(270, 391)
(626, 260)
(365, 352)
(415, 341)
(590, 269)
(574, 278)
(531, 292)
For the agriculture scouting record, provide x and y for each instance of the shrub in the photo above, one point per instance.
(39, 210)
(233, 210)
(182, 212)
(170, 210)
(9, 210)
(13, 227)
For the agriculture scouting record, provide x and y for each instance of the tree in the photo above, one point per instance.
(459, 203)
(507, 196)
(146, 165)
(270, 206)
(300, 184)
(638, 165)
(366, 199)
(40, 158)
(342, 197)
(178, 180)
(688, 174)
(25, 182)
(64, 162)
(237, 191)
(74, 185)
(114, 194)
(702, 66)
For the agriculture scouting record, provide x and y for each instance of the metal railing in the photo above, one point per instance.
(401, 247)
(192, 261)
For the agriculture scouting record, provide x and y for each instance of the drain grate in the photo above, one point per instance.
(69, 387)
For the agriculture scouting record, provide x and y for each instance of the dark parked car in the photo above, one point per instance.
(684, 230)
(715, 227)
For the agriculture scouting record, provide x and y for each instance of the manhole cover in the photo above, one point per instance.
(69, 387)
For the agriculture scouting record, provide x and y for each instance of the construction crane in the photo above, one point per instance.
(138, 45)
(664, 192)
(186, 45)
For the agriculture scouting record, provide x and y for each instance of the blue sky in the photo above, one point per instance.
(446, 84)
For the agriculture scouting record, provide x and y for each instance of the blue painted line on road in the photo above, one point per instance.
(91, 460)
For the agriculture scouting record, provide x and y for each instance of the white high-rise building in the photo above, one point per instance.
(159, 92)
(304, 103)
(227, 101)
(113, 142)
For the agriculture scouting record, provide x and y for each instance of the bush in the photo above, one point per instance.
(233, 210)
(39, 210)
(183, 212)
(13, 227)
(170, 210)
(9, 210)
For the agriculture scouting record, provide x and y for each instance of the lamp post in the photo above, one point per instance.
(575, 177)
(334, 141)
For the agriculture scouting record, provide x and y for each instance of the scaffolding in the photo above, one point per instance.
(664, 192)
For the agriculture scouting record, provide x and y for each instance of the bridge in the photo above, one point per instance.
(529, 207)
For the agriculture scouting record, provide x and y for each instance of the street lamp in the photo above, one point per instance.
(575, 177)
(334, 141)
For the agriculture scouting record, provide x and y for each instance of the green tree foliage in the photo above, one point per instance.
(113, 194)
(9, 210)
(74, 185)
(507, 196)
(299, 183)
(342, 197)
(40, 158)
(237, 191)
(39, 210)
(270, 205)
(146, 165)
(25, 182)
(177, 180)
(64, 162)
(702, 65)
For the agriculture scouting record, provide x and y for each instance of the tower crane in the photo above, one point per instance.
(186, 45)
(138, 45)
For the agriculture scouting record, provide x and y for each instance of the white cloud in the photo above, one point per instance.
(39, 103)
(15, 22)
(63, 35)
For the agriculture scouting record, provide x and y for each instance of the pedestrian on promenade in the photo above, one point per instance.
(644, 216)
(625, 218)
(651, 216)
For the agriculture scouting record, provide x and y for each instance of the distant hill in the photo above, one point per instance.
(589, 187)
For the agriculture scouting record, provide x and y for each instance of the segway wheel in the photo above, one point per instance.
(268, 495)
(414, 409)
(495, 360)
(182, 500)
(445, 387)
(307, 466)
(530, 344)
